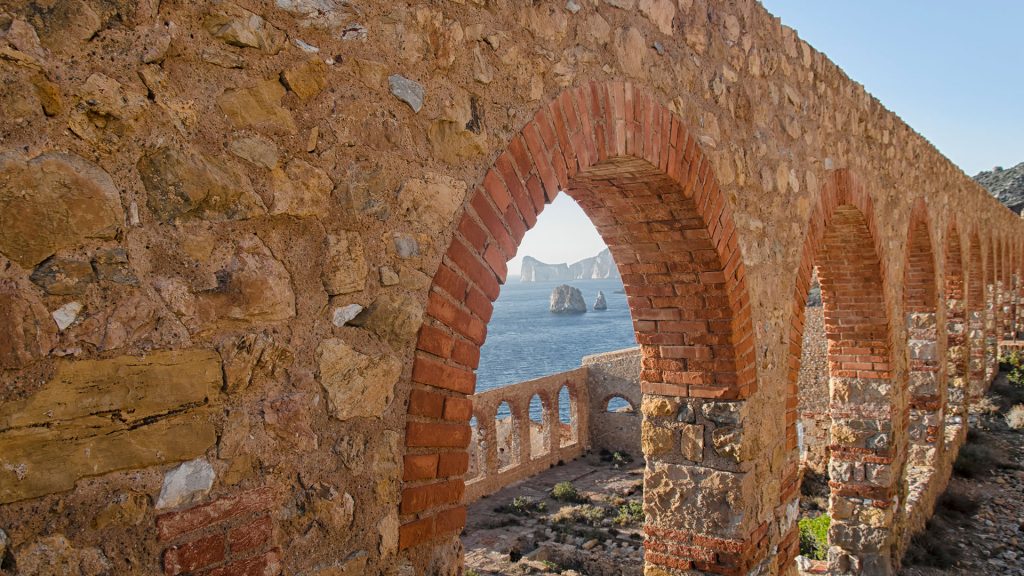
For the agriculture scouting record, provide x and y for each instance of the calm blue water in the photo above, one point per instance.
(526, 341)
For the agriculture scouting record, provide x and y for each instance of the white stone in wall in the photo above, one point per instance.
(186, 483)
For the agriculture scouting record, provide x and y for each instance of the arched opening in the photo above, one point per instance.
(540, 429)
(1006, 292)
(507, 440)
(864, 430)
(927, 387)
(975, 320)
(618, 405)
(645, 184)
(477, 451)
(568, 417)
(956, 340)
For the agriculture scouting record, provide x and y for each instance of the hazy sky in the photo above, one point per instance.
(954, 71)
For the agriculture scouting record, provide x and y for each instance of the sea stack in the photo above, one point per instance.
(567, 300)
(600, 303)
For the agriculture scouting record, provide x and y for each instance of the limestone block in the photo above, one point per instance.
(186, 483)
(97, 416)
(431, 201)
(26, 330)
(451, 142)
(258, 106)
(722, 413)
(395, 317)
(345, 269)
(660, 12)
(658, 407)
(182, 183)
(655, 440)
(53, 201)
(301, 189)
(728, 442)
(697, 499)
(861, 391)
(692, 442)
(357, 384)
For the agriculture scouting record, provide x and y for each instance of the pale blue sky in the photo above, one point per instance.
(953, 70)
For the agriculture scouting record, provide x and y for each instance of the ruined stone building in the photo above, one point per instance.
(249, 249)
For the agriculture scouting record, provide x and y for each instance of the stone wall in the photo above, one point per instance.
(614, 375)
(248, 253)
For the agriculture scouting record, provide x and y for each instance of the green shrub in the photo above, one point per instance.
(566, 492)
(522, 506)
(1011, 361)
(814, 537)
(1016, 377)
(585, 513)
(630, 513)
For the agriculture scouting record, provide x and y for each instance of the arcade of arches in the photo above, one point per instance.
(248, 254)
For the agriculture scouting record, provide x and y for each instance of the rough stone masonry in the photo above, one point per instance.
(237, 238)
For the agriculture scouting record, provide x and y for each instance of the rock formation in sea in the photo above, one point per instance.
(567, 300)
(600, 303)
(598, 267)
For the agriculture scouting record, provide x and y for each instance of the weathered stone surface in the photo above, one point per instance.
(345, 269)
(64, 277)
(452, 142)
(658, 407)
(258, 107)
(111, 265)
(728, 442)
(431, 201)
(722, 413)
(307, 79)
(301, 189)
(408, 91)
(288, 418)
(357, 384)
(183, 183)
(52, 555)
(239, 27)
(253, 360)
(128, 509)
(26, 330)
(692, 442)
(256, 149)
(97, 416)
(660, 12)
(186, 484)
(672, 492)
(567, 299)
(343, 314)
(253, 288)
(53, 201)
(655, 440)
(395, 317)
(66, 315)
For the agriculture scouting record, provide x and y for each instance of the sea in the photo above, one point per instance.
(526, 341)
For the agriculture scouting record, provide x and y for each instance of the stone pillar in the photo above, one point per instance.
(991, 334)
(697, 491)
(956, 367)
(925, 396)
(863, 475)
(1006, 311)
(976, 359)
(1018, 318)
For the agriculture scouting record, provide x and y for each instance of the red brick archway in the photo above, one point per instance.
(651, 193)
(864, 459)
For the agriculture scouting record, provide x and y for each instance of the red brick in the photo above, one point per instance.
(431, 435)
(252, 536)
(268, 564)
(496, 190)
(431, 372)
(450, 520)
(174, 524)
(420, 467)
(459, 409)
(466, 353)
(453, 464)
(420, 498)
(427, 404)
(435, 341)
(195, 555)
(415, 533)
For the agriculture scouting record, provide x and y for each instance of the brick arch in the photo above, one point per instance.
(650, 191)
(955, 272)
(842, 242)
